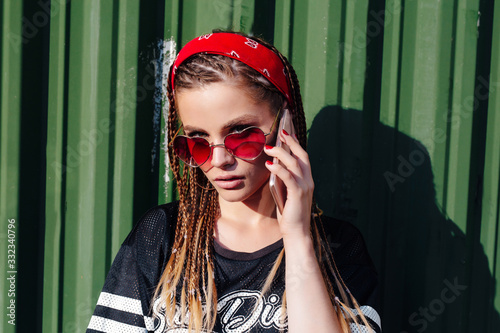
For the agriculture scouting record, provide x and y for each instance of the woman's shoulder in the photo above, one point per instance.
(156, 224)
(354, 264)
(168, 210)
(346, 242)
(340, 230)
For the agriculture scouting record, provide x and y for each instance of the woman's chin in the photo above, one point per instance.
(232, 195)
(243, 193)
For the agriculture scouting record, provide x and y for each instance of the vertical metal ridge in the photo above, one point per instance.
(122, 127)
(458, 118)
(282, 27)
(171, 36)
(354, 58)
(298, 53)
(480, 277)
(87, 157)
(449, 110)
(341, 51)
(391, 74)
(172, 19)
(114, 91)
(390, 106)
(490, 215)
(10, 124)
(313, 58)
(56, 170)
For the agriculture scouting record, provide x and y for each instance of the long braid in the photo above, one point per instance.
(196, 208)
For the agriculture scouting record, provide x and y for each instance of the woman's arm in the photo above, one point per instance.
(308, 302)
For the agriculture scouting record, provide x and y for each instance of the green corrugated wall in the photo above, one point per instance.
(402, 100)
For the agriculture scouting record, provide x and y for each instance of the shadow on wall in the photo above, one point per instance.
(384, 184)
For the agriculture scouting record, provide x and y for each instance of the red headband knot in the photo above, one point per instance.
(241, 48)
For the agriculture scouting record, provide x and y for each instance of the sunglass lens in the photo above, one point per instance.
(247, 144)
(193, 151)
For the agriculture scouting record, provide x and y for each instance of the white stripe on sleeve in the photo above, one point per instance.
(108, 325)
(370, 313)
(121, 303)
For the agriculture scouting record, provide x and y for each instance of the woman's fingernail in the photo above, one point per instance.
(269, 162)
(269, 147)
(296, 137)
(285, 132)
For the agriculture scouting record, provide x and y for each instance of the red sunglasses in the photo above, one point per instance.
(246, 145)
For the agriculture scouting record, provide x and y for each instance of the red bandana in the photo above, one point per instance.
(241, 48)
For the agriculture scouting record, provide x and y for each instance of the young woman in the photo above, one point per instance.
(224, 258)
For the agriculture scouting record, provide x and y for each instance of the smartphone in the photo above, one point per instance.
(278, 189)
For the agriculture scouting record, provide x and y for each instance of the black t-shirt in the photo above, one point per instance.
(124, 303)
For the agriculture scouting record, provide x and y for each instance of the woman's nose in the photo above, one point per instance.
(221, 157)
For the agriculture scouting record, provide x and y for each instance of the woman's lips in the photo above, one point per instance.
(229, 183)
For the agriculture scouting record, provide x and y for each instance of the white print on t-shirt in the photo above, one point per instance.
(267, 313)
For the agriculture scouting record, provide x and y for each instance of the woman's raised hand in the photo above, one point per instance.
(295, 172)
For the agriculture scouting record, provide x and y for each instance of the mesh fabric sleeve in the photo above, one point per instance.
(356, 269)
(124, 302)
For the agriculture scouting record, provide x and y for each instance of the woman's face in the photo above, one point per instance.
(214, 111)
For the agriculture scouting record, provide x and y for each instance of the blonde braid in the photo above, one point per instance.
(196, 207)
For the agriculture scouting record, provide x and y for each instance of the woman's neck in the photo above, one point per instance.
(250, 225)
(259, 207)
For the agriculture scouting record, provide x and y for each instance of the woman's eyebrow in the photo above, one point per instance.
(245, 119)
(233, 122)
(192, 129)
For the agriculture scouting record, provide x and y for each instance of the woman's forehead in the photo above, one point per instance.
(221, 104)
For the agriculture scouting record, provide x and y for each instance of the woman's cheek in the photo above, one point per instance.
(206, 167)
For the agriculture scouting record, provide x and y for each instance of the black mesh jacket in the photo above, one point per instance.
(125, 301)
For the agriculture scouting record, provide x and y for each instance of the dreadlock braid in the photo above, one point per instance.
(191, 246)
(189, 273)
